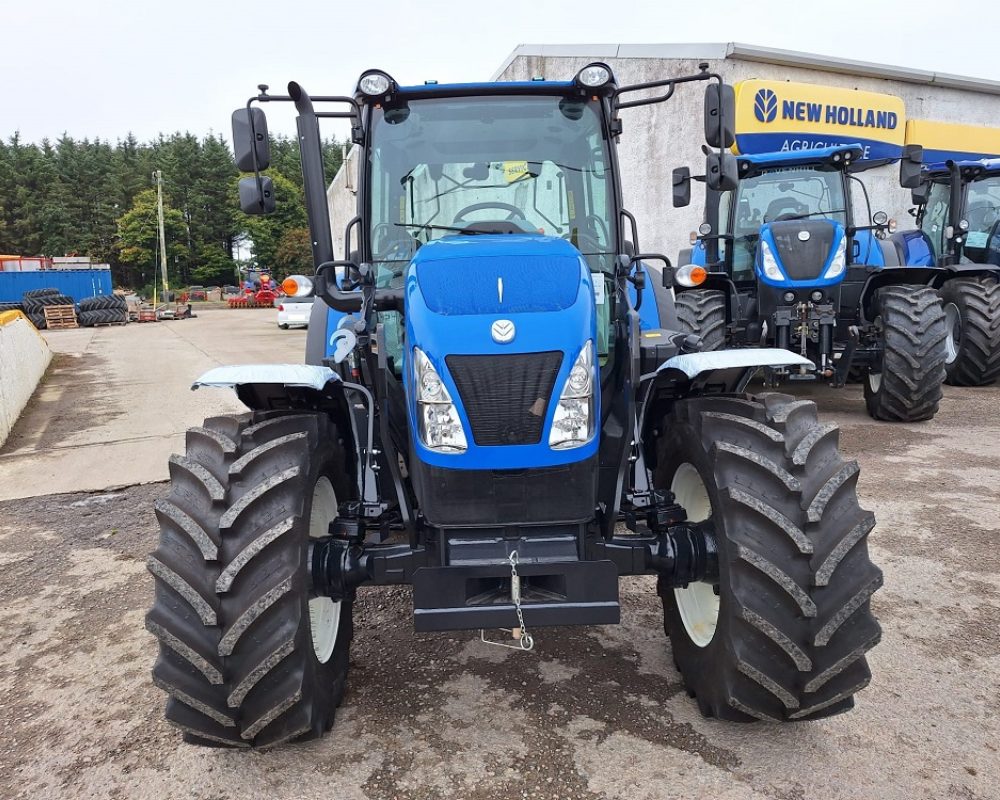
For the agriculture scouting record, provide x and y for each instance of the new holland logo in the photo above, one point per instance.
(765, 105)
(502, 330)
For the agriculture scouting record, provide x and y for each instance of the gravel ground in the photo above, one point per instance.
(593, 713)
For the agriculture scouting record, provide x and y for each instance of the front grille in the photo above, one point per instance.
(803, 260)
(505, 396)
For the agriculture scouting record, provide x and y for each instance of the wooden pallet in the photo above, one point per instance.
(60, 317)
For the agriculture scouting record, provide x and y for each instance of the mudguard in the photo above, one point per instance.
(720, 370)
(304, 375)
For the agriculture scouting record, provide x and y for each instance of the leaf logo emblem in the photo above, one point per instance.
(765, 105)
(502, 331)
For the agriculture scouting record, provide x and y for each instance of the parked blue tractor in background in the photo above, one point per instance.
(478, 414)
(783, 259)
(958, 236)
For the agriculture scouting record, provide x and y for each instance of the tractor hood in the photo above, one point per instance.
(501, 318)
(802, 253)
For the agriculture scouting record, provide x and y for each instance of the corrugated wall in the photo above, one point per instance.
(76, 283)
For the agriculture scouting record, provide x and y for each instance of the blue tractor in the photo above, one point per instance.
(784, 260)
(957, 242)
(480, 418)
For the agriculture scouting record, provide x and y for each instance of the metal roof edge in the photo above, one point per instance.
(751, 52)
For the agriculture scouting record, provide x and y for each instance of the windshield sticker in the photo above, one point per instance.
(598, 279)
(514, 170)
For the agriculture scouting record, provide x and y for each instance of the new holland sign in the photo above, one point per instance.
(777, 116)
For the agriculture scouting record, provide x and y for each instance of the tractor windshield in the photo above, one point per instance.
(498, 164)
(781, 194)
(982, 210)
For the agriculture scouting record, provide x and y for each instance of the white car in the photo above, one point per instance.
(293, 311)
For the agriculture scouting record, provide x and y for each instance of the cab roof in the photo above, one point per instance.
(845, 156)
(972, 169)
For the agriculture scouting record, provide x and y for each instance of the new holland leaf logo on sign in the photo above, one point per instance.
(777, 116)
(765, 105)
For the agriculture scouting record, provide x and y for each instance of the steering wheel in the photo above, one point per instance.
(513, 211)
(389, 245)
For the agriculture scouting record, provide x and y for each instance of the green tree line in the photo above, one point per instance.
(93, 198)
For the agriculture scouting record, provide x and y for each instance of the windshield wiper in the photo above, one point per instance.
(469, 231)
(791, 217)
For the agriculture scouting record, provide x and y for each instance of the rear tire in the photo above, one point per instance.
(703, 313)
(906, 385)
(972, 309)
(232, 607)
(783, 635)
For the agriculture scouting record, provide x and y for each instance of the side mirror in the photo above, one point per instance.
(249, 137)
(721, 172)
(720, 115)
(682, 187)
(910, 166)
(257, 200)
(920, 193)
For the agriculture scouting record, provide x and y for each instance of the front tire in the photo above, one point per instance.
(905, 386)
(248, 656)
(782, 634)
(703, 313)
(972, 310)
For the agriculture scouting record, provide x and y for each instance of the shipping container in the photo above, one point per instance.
(76, 283)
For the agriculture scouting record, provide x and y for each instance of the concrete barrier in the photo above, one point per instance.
(24, 357)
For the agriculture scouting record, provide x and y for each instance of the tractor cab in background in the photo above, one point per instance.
(958, 231)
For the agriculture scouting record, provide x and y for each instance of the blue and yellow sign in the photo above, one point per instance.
(779, 116)
(946, 140)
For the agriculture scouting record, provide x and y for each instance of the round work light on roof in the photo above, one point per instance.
(594, 75)
(374, 84)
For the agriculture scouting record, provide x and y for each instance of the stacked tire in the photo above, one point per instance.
(103, 309)
(10, 307)
(36, 300)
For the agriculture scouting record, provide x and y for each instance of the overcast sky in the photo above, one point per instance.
(102, 68)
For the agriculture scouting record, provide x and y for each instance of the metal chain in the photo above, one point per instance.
(526, 641)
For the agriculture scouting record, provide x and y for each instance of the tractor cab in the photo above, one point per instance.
(791, 222)
(957, 213)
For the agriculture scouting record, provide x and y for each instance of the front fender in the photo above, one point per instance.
(271, 386)
(719, 370)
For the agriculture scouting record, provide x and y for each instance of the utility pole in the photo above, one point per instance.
(158, 175)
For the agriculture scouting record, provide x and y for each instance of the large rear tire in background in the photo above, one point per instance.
(906, 385)
(783, 633)
(247, 656)
(972, 312)
(703, 313)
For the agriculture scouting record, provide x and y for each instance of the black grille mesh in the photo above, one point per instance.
(803, 260)
(506, 396)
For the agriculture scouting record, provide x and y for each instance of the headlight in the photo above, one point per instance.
(439, 426)
(374, 84)
(594, 75)
(771, 268)
(839, 263)
(573, 421)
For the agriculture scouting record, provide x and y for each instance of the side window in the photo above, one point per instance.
(936, 216)
(725, 213)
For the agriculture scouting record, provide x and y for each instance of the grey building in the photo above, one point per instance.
(660, 137)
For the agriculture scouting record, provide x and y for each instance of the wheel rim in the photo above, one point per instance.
(324, 613)
(698, 604)
(953, 320)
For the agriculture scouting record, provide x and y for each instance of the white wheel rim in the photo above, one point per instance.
(953, 319)
(875, 380)
(324, 614)
(698, 604)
